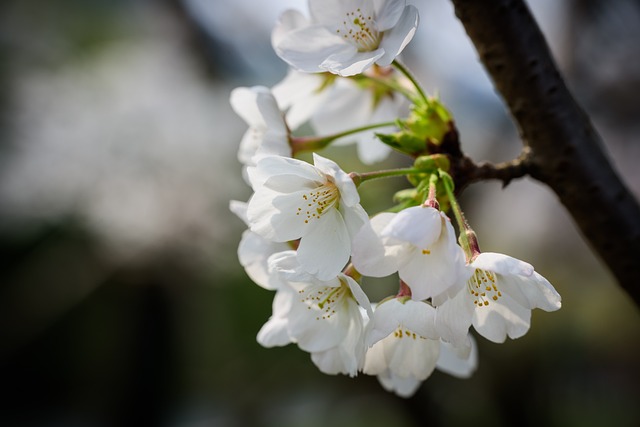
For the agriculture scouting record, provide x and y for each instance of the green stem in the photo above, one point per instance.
(410, 76)
(359, 178)
(312, 143)
(463, 226)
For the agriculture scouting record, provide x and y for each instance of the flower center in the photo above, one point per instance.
(482, 287)
(360, 31)
(322, 299)
(315, 202)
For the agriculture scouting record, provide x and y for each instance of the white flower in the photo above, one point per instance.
(267, 133)
(325, 318)
(404, 345)
(318, 204)
(497, 299)
(419, 243)
(254, 251)
(335, 105)
(301, 95)
(345, 36)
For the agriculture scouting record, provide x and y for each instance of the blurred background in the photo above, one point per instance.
(121, 298)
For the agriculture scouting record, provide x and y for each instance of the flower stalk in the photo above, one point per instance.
(405, 71)
(301, 144)
(359, 178)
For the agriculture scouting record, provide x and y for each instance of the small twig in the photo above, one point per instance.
(505, 171)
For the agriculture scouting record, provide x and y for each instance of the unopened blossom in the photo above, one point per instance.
(324, 317)
(497, 299)
(404, 344)
(254, 251)
(419, 243)
(332, 105)
(344, 37)
(267, 133)
(318, 204)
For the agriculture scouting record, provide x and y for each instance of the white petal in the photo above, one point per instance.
(333, 12)
(502, 264)
(456, 364)
(395, 40)
(428, 274)
(359, 295)
(403, 387)
(369, 255)
(303, 111)
(388, 13)
(351, 62)
(436, 270)
(355, 218)
(370, 149)
(335, 361)
(348, 191)
(243, 100)
(414, 358)
(270, 113)
(295, 86)
(290, 20)
(285, 265)
(420, 226)
(249, 145)
(419, 317)
(314, 329)
(324, 249)
(350, 106)
(454, 317)
(274, 333)
(240, 209)
(307, 48)
(279, 170)
(348, 356)
(300, 93)
(502, 318)
(375, 362)
(253, 253)
(531, 292)
(273, 143)
(384, 321)
(272, 215)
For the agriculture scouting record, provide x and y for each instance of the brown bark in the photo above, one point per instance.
(566, 153)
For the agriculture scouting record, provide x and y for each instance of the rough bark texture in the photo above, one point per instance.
(566, 152)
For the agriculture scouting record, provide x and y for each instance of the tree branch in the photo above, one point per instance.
(566, 152)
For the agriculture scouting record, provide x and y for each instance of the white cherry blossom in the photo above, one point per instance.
(497, 299)
(345, 37)
(332, 105)
(325, 318)
(267, 133)
(254, 251)
(318, 204)
(404, 344)
(419, 243)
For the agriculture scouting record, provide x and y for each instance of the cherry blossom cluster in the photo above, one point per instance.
(310, 240)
